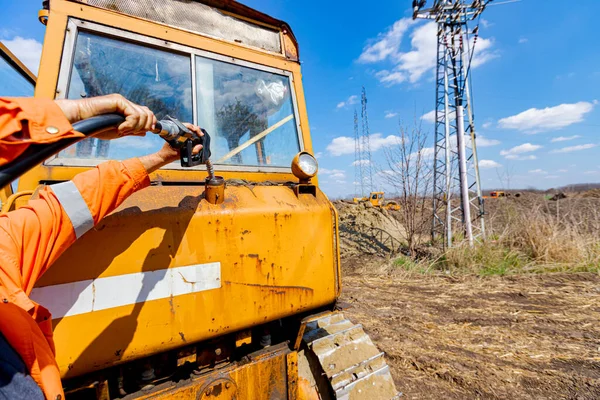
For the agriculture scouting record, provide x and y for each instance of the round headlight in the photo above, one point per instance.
(304, 166)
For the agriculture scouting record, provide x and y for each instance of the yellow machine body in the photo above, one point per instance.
(263, 278)
(271, 249)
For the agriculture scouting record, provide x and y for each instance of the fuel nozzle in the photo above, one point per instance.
(184, 139)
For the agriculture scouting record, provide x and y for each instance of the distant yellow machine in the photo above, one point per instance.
(377, 199)
(497, 194)
(174, 295)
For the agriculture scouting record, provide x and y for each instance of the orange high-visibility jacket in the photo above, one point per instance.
(33, 237)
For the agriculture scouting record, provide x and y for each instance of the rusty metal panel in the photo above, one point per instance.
(196, 17)
(292, 375)
(260, 376)
(275, 252)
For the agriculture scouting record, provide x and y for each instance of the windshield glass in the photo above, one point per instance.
(157, 79)
(248, 112)
(12, 83)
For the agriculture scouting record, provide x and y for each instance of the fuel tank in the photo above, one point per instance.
(167, 269)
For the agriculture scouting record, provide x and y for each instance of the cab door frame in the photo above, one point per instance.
(17, 65)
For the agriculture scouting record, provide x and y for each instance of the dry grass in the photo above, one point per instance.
(531, 234)
(525, 235)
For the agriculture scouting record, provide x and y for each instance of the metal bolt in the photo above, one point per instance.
(5, 300)
(208, 391)
(218, 351)
(227, 385)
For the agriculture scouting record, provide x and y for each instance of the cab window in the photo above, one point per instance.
(249, 112)
(247, 109)
(160, 80)
(13, 81)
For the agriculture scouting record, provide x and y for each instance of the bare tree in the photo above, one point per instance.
(409, 173)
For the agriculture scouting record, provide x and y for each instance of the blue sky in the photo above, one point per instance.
(536, 89)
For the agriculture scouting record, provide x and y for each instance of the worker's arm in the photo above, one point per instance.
(33, 237)
(25, 121)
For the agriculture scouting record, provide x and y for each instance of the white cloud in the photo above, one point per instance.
(326, 171)
(351, 100)
(513, 153)
(389, 114)
(427, 154)
(563, 170)
(333, 173)
(423, 55)
(429, 117)
(386, 172)
(486, 125)
(386, 44)
(483, 52)
(538, 171)
(487, 164)
(551, 177)
(361, 162)
(537, 120)
(340, 181)
(485, 142)
(28, 51)
(575, 148)
(520, 158)
(592, 172)
(523, 40)
(345, 145)
(412, 65)
(485, 23)
(390, 78)
(565, 138)
(318, 154)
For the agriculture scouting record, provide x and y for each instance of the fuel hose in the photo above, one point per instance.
(38, 153)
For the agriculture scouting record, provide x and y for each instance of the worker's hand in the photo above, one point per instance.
(138, 119)
(167, 154)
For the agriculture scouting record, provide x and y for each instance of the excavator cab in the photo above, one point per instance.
(172, 295)
(376, 199)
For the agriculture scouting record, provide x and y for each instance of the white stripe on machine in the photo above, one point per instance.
(82, 297)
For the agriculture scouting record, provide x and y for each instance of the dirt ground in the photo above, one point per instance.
(515, 337)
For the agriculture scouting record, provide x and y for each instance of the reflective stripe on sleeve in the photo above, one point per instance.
(75, 206)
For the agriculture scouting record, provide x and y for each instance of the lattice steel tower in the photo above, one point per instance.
(359, 187)
(457, 200)
(366, 161)
(363, 165)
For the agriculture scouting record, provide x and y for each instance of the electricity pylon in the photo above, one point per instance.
(457, 198)
(363, 164)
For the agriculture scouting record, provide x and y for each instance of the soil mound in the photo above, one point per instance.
(365, 229)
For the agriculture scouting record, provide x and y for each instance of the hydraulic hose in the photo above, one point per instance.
(38, 153)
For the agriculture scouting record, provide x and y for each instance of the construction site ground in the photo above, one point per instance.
(515, 337)
(461, 336)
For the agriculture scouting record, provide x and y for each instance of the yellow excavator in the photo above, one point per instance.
(377, 199)
(189, 291)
